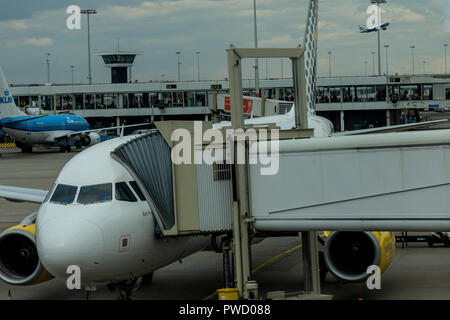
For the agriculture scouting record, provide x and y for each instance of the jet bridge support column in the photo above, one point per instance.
(242, 217)
(240, 205)
(310, 252)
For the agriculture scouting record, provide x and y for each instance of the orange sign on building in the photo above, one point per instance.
(248, 105)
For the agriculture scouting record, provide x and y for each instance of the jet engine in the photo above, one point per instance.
(91, 139)
(348, 254)
(19, 260)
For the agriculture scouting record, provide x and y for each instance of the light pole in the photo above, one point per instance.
(282, 76)
(378, 32)
(48, 66)
(72, 67)
(256, 46)
(387, 60)
(88, 12)
(424, 63)
(198, 65)
(413, 62)
(178, 64)
(445, 49)
(329, 63)
(373, 62)
(366, 62)
(267, 68)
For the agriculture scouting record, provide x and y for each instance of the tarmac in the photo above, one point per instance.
(417, 272)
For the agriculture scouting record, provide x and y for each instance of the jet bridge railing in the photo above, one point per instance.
(382, 182)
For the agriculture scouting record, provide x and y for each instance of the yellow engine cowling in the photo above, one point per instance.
(349, 254)
(19, 260)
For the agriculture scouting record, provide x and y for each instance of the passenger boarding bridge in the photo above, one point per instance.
(349, 102)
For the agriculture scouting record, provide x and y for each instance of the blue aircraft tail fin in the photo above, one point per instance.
(8, 107)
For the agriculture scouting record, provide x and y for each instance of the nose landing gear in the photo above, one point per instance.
(126, 288)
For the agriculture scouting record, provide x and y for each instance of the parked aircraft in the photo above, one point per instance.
(97, 219)
(28, 131)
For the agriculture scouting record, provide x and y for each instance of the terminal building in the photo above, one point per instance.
(348, 102)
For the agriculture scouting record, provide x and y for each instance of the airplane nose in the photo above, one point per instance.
(64, 242)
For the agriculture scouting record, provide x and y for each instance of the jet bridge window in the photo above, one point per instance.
(64, 194)
(138, 191)
(95, 194)
(124, 193)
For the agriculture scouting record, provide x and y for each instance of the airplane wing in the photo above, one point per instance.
(17, 194)
(74, 134)
(395, 128)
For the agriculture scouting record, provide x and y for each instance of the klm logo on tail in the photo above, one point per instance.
(7, 98)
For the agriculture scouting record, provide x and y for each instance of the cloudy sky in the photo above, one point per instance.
(29, 29)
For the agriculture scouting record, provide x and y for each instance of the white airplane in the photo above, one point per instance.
(29, 130)
(97, 219)
(322, 126)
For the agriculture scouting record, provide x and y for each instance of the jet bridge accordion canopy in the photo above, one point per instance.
(185, 199)
(148, 160)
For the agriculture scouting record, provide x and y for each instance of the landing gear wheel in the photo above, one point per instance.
(147, 279)
(65, 148)
(27, 149)
(430, 243)
(125, 288)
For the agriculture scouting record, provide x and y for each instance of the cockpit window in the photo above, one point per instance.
(50, 192)
(137, 190)
(64, 194)
(124, 193)
(95, 193)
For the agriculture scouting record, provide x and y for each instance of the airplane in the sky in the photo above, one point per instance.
(28, 131)
(368, 30)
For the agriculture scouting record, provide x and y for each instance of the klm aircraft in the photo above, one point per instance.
(43, 129)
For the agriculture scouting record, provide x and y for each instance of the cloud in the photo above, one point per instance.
(36, 42)
(162, 27)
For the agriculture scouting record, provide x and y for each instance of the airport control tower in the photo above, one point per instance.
(120, 63)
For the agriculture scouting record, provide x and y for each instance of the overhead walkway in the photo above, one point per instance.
(383, 182)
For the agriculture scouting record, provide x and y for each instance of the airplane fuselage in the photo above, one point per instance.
(31, 130)
(89, 224)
